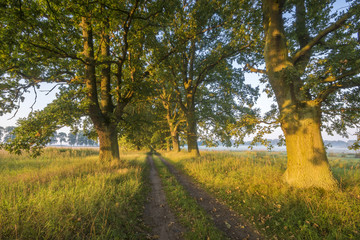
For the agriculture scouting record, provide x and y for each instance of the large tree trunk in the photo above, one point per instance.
(109, 146)
(168, 145)
(175, 141)
(307, 164)
(191, 133)
(300, 116)
(173, 131)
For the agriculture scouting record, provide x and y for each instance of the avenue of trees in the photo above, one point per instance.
(161, 73)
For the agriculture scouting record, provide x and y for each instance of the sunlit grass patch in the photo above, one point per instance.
(251, 183)
(67, 195)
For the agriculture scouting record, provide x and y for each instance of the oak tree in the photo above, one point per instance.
(97, 48)
(312, 67)
(203, 39)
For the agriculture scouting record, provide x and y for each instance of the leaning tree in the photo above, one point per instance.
(96, 49)
(311, 55)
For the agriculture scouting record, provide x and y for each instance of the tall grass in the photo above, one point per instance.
(197, 222)
(68, 194)
(251, 184)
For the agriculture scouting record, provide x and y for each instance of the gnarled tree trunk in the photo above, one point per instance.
(300, 116)
(191, 133)
(175, 141)
(307, 164)
(168, 145)
(109, 146)
(107, 133)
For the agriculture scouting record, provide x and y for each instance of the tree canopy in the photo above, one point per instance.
(94, 48)
(155, 72)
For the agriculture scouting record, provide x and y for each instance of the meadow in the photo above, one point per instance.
(250, 183)
(67, 194)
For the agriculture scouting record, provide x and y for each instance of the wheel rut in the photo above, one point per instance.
(224, 218)
(157, 213)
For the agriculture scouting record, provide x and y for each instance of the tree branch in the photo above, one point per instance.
(334, 87)
(339, 23)
(331, 78)
(252, 69)
(37, 79)
(35, 99)
(52, 89)
(59, 52)
(330, 111)
(225, 55)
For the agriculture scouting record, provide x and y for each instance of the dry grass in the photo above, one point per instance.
(250, 182)
(67, 194)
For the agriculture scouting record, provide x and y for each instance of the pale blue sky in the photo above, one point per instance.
(44, 97)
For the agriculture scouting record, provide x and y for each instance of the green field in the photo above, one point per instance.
(250, 183)
(67, 194)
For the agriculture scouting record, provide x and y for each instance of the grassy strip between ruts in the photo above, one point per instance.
(68, 194)
(190, 215)
(250, 183)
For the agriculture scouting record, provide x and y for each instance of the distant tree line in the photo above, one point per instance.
(59, 138)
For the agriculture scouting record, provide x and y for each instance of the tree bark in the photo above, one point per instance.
(174, 135)
(106, 130)
(175, 141)
(172, 120)
(300, 117)
(168, 145)
(191, 133)
(307, 163)
(109, 146)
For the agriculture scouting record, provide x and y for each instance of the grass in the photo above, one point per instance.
(67, 194)
(190, 215)
(250, 183)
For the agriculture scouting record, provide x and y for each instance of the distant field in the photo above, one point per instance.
(67, 194)
(250, 182)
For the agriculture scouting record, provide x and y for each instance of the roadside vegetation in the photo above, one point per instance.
(251, 184)
(197, 222)
(68, 194)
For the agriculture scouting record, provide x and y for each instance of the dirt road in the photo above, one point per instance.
(157, 212)
(159, 216)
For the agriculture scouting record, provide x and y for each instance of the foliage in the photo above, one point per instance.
(38, 129)
(222, 103)
(97, 49)
(204, 38)
(143, 126)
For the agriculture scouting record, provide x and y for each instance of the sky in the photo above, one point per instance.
(44, 97)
